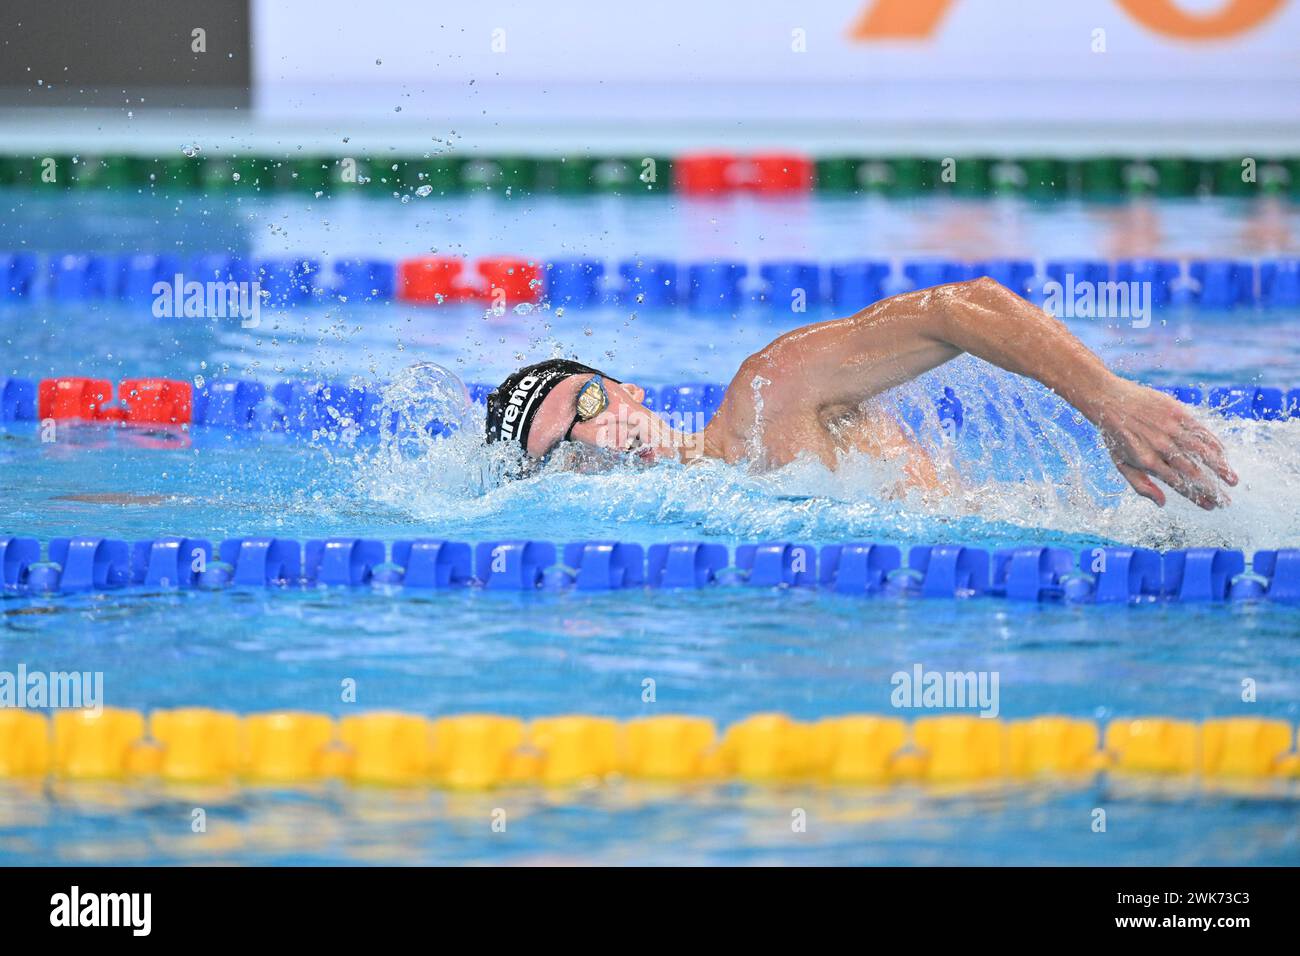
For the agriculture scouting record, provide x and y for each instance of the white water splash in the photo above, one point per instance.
(1030, 476)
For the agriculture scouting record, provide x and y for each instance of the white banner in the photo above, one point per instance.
(924, 62)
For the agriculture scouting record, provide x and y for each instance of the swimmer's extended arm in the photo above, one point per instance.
(843, 362)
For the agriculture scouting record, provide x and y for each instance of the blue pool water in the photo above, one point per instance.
(723, 654)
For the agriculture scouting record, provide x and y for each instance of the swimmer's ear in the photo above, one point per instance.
(636, 391)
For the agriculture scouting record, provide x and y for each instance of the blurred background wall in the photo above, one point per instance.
(124, 54)
(868, 73)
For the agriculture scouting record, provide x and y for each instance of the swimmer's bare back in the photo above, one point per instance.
(810, 390)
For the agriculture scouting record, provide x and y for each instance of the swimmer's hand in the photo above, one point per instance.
(1150, 435)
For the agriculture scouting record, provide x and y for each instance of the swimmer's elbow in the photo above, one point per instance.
(967, 304)
(984, 291)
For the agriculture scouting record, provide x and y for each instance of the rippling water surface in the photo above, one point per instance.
(1027, 472)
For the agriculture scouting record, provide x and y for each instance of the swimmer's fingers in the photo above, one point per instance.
(1186, 476)
(1205, 445)
(1183, 474)
(1141, 483)
(1182, 479)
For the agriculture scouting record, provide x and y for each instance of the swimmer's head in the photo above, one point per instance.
(548, 404)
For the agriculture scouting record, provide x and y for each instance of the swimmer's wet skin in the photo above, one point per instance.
(810, 392)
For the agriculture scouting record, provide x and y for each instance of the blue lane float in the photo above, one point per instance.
(1160, 275)
(286, 282)
(1279, 284)
(650, 283)
(924, 273)
(796, 285)
(1123, 574)
(858, 568)
(229, 404)
(364, 280)
(329, 408)
(573, 282)
(605, 565)
(776, 564)
(855, 285)
(170, 562)
(1223, 284)
(685, 564)
(715, 287)
(1016, 274)
(17, 400)
(1034, 574)
(430, 563)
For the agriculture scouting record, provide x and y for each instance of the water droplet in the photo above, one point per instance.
(423, 191)
(198, 381)
(235, 176)
(406, 199)
(189, 151)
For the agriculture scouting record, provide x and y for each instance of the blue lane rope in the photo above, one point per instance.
(711, 286)
(1032, 573)
(328, 408)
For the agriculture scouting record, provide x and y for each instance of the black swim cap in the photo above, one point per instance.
(513, 405)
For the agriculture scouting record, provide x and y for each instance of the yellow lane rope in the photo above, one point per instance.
(477, 751)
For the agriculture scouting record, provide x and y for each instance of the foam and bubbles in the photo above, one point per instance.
(1024, 474)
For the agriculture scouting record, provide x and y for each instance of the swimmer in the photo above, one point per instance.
(811, 392)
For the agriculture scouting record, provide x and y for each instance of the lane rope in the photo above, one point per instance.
(1031, 573)
(315, 409)
(478, 751)
(1119, 292)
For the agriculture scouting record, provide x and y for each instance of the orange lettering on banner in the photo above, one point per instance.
(1235, 16)
(899, 19)
(917, 19)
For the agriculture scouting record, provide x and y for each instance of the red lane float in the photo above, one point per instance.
(518, 279)
(774, 173)
(705, 174)
(711, 174)
(144, 401)
(64, 399)
(156, 401)
(432, 280)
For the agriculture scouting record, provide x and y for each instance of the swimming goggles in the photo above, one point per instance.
(592, 400)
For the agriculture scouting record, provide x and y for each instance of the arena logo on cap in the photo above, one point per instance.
(515, 407)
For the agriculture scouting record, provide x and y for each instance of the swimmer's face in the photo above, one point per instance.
(624, 426)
